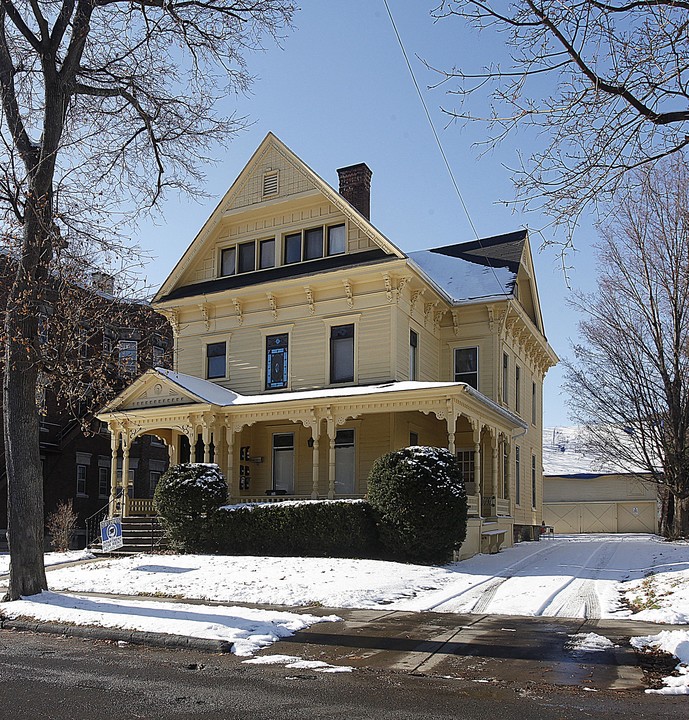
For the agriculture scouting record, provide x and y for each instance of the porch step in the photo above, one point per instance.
(139, 535)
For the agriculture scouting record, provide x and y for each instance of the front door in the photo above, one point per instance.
(283, 463)
(345, 462)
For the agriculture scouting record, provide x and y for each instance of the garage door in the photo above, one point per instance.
(636, 517)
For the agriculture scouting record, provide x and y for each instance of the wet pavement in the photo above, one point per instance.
(482, 648)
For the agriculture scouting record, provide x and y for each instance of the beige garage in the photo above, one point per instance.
(600, 517)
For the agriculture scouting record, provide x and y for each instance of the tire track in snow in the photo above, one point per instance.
(490, 585)
(578, 596)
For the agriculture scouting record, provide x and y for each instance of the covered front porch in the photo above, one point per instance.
(319, 444)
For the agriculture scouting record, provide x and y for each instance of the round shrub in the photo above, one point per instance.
(183, 498)
(419, 498)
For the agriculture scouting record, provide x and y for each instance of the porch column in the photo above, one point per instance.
(231, 480)
(315, 461)
(171, 451)
(126, 442)
(114, 447)
(206, 435)
(508, 472)
(477, 463)
(451, 432)
(331, 458)
(494, 468)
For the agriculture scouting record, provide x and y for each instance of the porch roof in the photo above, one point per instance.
(207, 392)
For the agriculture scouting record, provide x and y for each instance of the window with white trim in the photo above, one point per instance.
(103, 482)
(466, 366)
(342, 353)
(128, 355)
(277, 365)
(82, 471)
(505, 378)
(466, 459)
(413, 355)
(216, 360)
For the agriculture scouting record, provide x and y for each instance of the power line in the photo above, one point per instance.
(430, 120)
(436, 136)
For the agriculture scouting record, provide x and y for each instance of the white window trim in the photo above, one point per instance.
(331, 322)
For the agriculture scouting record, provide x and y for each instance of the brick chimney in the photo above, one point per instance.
(355, 187)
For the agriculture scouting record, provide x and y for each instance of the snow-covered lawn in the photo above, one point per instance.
(587, 576)
(51, 558)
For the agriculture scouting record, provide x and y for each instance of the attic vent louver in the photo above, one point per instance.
(270, 183)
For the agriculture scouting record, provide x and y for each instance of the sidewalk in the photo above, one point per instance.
(483, 648)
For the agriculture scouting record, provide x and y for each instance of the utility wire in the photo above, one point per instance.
(436, 136)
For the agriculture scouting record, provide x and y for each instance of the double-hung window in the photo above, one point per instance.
(342, 353)
(228, 261)
(505, 378)
(413, 355)
(533, 482)
(517, 475)
(216, 360)
(277, 361)
(81, 479)
(466, 366)
(466, 459)
(517, 389)
(127, 353)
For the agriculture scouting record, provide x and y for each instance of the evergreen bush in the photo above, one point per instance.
(185, 498)
(302, 528)
(420, 503)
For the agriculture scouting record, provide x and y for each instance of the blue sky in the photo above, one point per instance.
(338, 92)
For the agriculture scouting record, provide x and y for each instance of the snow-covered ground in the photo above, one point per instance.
(587, 576)
(52, 558)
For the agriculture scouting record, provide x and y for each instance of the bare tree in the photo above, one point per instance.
(603, 84)
(629, 378)
(106, 105)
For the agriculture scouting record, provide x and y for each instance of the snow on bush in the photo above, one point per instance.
(419, 498)
(183, 498)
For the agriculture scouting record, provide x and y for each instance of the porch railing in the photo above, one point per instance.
(473, 504)
(140, 506)
(93, 522)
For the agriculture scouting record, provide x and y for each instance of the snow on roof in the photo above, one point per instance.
(213, 393)
(202, 389)
(468, 271)
(218, 395)
(565, 453)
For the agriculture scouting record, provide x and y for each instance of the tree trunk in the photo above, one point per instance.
(25, 522)
(680, 523)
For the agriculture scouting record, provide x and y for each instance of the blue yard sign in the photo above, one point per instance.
(111, 534)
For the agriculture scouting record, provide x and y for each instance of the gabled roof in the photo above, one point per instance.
(479, 269)
(271, 143)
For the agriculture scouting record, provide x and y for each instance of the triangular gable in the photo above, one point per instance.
(531, 301)
(275, 155)
(152, 389)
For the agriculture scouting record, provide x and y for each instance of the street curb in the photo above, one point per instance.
(134, 637)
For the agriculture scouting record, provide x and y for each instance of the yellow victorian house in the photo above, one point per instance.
(307, 345)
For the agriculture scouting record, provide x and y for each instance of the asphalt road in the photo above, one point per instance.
(56, 678)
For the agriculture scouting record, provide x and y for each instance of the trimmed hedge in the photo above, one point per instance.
(307, 528)
(420, 503)
(184, 498)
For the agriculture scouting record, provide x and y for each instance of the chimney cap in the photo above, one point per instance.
(353, 168)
